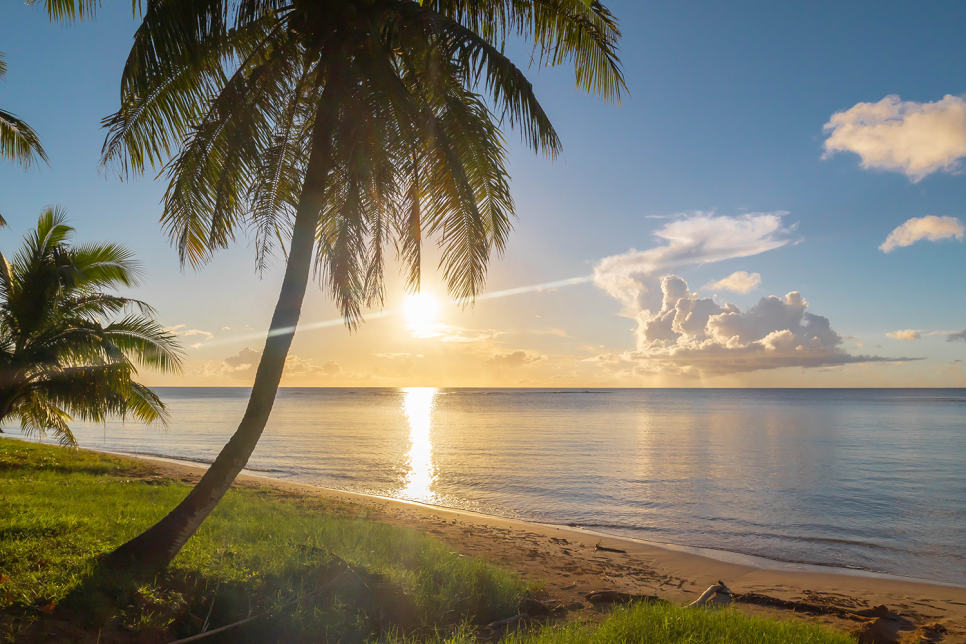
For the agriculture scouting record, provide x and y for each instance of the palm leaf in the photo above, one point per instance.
(19, 143)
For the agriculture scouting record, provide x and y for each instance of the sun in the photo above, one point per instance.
(421, 310)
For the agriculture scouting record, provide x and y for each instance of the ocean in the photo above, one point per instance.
(866, 479)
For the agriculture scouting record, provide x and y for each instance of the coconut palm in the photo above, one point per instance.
(59, 358)
(338, 129)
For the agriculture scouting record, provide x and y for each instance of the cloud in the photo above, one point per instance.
(296, 367)
(931, 228)
(953, 337)
(693, 336)
(740, 282)
(242, 365)
(183, 331)
(400, 364)
(447, 333)
(905, 334)
(515, 359)
(904, 136)
(244, 359)
(698, 238)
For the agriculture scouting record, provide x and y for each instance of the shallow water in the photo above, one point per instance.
(867, 479)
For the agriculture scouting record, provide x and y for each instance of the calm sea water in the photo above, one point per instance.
(867, 479)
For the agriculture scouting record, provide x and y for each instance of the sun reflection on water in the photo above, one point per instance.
(418, 405)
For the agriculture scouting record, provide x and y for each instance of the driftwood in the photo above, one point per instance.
(716, 595)
(811, 609)
(601, 548)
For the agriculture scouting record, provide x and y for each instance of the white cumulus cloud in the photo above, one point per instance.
(905, 334)
(740, 282)
(699, 238)
(183, 331)
(931, 228)
(693, 336)
(904, 136)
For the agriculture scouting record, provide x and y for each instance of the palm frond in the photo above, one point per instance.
(70, 11)
(176, 66)
(147, 342)
(38, 415)
(19, 143)
(225, 94)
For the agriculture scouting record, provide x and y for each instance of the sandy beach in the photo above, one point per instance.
(567, 564)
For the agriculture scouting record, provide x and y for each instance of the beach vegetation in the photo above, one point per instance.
(70, 347)
(272, 555)
(263, 553)
(663, 623)
(335, 131)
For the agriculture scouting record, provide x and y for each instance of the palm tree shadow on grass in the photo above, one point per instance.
(338, 599)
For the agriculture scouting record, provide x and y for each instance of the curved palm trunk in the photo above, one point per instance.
(155, 548)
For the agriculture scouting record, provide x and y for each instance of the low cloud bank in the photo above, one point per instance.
(514, 359)
(905, 334)
(243, 364)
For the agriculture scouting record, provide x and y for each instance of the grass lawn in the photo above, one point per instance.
(259, 550)
(264, 551)
(673, 624)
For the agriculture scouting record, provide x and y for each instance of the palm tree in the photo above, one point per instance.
(337, 128)
(59, 360)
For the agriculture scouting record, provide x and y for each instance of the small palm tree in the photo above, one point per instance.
(59, 359)
(337, 128)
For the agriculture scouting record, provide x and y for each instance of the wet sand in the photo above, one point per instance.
(565, 561)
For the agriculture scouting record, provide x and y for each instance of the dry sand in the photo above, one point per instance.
(566, 562)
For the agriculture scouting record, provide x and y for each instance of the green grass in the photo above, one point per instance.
(672, 624)
(259, 550)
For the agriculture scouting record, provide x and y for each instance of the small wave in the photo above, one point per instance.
(531, 392)
(190, 459)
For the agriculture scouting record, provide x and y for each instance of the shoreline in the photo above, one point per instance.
(723, 556)
(563, 559)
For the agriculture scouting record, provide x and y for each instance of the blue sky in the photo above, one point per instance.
(724, 116)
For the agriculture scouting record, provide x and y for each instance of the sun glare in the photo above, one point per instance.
(419, 403)
(421, 310)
